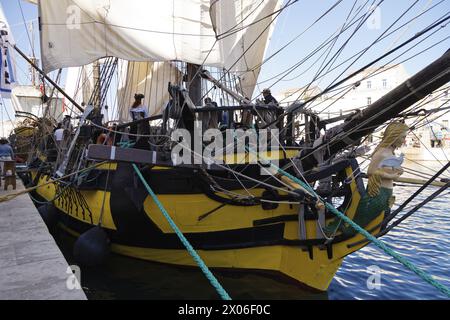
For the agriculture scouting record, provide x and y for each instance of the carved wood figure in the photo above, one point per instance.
(384, 169)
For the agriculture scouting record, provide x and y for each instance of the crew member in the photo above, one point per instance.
(139, 111)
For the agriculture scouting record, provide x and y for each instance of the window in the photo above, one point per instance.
(369, 101)
(384, 83)
(369, 84)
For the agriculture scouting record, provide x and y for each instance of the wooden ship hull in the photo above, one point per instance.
(272, 232)
(256, 222)
(230, 236)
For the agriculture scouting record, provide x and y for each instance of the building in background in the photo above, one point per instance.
(362, 90)
(367, 87)
(28, 98)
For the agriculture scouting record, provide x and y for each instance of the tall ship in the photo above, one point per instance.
(190, 150)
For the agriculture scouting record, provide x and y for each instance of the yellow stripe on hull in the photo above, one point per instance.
(293, 261)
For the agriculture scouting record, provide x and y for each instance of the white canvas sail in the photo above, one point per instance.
(148, 78)
(79, 84)
(243, 42)
(77, 32)
(7, 69)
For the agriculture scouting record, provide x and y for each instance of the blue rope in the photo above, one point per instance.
(214, 282)
(126, 144)
(370, 237)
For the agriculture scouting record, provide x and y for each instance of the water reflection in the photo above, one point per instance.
(127, 278)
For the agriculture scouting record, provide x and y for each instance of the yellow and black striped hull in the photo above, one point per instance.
(230, 236)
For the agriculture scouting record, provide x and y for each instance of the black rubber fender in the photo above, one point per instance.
(92, 248)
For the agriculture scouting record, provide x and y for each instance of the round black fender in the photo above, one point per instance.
(92, 247)
(49, 214)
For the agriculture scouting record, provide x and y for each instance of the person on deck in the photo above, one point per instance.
(268, 98)
(66, 123)
(267, 116)
(59, 136)
(211, 119)
(139, 111)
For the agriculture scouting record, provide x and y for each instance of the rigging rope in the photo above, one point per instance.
(13, 195)
(292, 68)
(445, 167)
(417, 35)
(340, 50)
(417, 207)
(212, 279)
(360, 126)
(369, 236)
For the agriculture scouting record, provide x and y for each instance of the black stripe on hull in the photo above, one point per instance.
(135, 228)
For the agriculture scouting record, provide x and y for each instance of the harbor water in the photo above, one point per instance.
(366, 274)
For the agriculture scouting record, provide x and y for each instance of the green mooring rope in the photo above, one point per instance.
(370, 237)
(214, 282)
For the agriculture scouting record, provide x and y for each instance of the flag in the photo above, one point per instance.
(7, 69)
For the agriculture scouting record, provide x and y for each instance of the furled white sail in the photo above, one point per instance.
(243, 29)
(77, 32)
(148, 78)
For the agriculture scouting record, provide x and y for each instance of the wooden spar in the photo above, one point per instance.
(53, 83)
(387, 107)
(194, 83)
(206, 75)
(236, 108)
(131, 155)
(127, 124)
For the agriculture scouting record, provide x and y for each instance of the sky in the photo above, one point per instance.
(292, 23)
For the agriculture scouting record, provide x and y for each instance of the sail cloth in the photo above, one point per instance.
(148, 78)
(77, 32)
(242, 42)
(80, 84)
(7, 68)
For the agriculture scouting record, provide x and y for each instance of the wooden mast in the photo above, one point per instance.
(194, 83)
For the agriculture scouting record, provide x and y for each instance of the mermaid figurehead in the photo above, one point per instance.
(384, 168)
